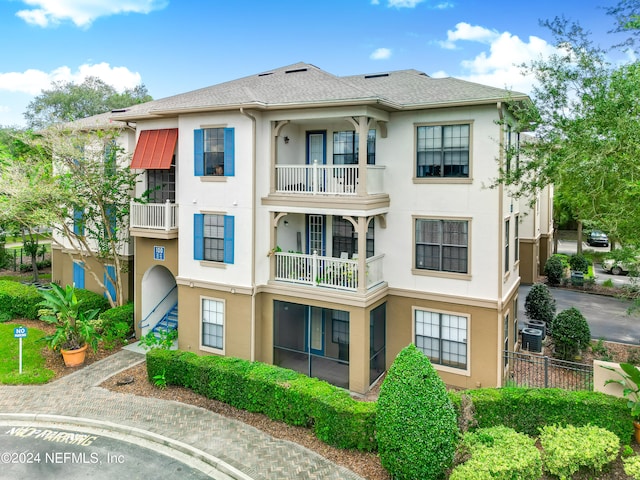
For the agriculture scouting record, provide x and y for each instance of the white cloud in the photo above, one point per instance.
(82, 12)
(32, 82)
(375, 2)
(500, 65)
(380, 54)
(473, 33)
(404, 3)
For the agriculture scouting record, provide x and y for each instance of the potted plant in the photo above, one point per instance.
(630, 381)
(74, 327)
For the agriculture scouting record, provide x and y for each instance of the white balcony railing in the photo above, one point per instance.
(154, 216)
(319, 179)
(328, 272)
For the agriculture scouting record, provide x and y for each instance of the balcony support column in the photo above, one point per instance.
(359, 338)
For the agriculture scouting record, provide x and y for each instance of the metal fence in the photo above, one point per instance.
(528, 370)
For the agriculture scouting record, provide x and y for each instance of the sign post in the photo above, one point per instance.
(20, 333)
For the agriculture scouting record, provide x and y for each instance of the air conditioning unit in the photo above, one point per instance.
(539, 324)
(532, 339)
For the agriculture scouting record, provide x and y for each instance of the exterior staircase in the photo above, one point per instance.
(167, 323)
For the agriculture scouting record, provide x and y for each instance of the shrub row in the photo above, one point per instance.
(498, 453)
(279, 393)
(568, 449)
(18, 300)
(526, 410)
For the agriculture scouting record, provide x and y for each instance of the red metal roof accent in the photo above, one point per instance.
(155, 149)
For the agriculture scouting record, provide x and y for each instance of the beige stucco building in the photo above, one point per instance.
(322, 223)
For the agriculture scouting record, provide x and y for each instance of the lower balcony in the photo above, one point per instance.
(153, 220)
(328, 272)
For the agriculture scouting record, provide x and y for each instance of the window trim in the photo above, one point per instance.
(228, 151)
(207, 348)
(438, 273)
(445, 368)
(507, 245)
(516, 240)
(460, 180)
(228, 238)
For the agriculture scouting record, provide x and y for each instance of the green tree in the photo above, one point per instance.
(85, 197)
(67, 101)
(584, 117)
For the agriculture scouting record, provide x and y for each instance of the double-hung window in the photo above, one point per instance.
(345, 238)
(212, 323)
(162, 184)
(214, 152)
(506, 245)
(442, 337)
(443, 151)
(442, 245)
(345, 148)
(213, 237)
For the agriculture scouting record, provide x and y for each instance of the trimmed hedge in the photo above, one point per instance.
(18, 300)
(499, 453)
(279, 393)
(123, 313)
(565, 450)
(92, 300)
(526, 410)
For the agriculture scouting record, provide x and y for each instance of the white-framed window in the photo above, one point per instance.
(213, 237)
(442, 245)
(212, 323)
(214, 152)
(443, 151)
(516, 239)
(442, 337)
(506, 245)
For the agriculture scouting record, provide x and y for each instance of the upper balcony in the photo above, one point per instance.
(154, 220)
(315, 179)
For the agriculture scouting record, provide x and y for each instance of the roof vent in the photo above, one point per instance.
(265, 74)
(296, 70)
(377, 75)
(119, 110)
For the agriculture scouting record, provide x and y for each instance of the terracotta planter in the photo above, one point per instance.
(636, 425)
(74, 358)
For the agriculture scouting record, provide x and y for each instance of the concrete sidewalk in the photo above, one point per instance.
(234, 448)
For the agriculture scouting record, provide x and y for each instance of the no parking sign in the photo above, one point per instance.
(20, 333)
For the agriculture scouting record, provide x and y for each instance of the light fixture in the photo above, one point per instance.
(286, 139)
(286, 222)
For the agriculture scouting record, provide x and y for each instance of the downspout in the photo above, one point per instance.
(500, 248)
(253, 233)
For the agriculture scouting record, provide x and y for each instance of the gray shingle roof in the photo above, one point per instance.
(304, 84)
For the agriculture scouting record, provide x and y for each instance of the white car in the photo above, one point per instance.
(616, 267)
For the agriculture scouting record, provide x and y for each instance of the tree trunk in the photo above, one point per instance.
(579, 239)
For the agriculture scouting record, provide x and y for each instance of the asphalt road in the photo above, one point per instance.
(608, 317)
(53, 452)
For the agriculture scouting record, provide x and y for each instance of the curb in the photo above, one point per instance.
(127, 432)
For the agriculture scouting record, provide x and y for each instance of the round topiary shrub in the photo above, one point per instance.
(570, 333)
(579, 263)
(416, 424)
(554, 270)
(540, 304)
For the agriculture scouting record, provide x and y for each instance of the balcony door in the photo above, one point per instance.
(316, 147)
(316, 235)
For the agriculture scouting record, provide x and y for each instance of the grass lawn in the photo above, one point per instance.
(33, 371)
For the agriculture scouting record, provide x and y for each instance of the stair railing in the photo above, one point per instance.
(141, 324)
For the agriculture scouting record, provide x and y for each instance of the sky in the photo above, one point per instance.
(175, 46)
